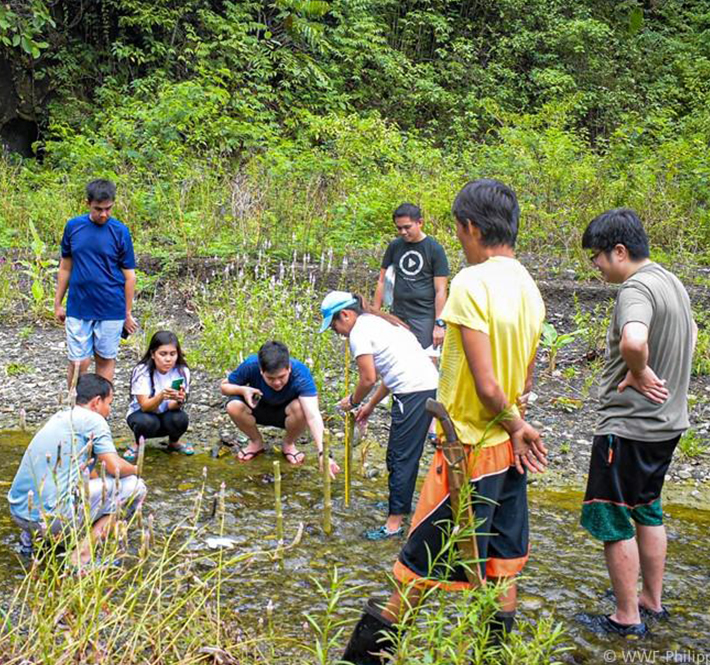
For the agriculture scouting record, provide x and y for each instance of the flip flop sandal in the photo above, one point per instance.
(293, 458)
(243, 455)
(183, 449)
(130, 454)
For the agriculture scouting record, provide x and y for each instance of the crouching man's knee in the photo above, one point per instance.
(132, 492)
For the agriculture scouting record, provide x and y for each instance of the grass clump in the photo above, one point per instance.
(701, 357)
(251, 305)
(17, 369)
(691, 445)
(164, 604)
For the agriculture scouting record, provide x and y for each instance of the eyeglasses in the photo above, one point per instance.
(595, 255)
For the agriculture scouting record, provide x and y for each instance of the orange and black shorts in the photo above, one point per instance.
(500, 499)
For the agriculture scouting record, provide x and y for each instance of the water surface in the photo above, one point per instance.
(566, 573)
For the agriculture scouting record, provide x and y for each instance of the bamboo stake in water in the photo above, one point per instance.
(277, 503)
(349, 435)
(347, 465)
(327, 500)
(141, 455)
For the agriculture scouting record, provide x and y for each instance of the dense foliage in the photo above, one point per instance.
(305, 122)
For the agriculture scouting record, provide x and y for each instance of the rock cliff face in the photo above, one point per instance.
(22, 98)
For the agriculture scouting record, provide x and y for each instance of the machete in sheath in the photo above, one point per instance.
(457, 473)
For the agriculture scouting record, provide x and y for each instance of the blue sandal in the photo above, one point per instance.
(382, 533)
(130, 454)
(182, 448)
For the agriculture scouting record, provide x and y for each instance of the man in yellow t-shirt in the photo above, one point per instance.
(494, 318)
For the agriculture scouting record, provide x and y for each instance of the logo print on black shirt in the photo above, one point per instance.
(411, 263)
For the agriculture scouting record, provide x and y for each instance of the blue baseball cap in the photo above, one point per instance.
(333, 303)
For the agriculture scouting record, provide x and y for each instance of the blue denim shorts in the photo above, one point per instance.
(86, 338)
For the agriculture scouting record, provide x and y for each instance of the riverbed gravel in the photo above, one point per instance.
(33, 382)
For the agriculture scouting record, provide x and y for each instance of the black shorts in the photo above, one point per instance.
(502, 538)
(268, 415)
(625, 482)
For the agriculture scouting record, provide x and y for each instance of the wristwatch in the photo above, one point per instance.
(440, 322)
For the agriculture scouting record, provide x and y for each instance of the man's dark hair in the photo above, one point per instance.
(92, 385)
(273, 356)
(620, 226)
(408, 210)
(492, 207)
(100, 190)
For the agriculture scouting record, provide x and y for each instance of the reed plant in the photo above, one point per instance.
(157, 599)
(438, 626)
(251, 304)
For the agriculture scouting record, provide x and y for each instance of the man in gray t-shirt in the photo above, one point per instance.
(653, 303)
(643, 412)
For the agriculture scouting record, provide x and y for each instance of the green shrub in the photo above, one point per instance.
(701, 357)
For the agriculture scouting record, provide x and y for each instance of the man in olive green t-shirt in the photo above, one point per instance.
(643, 412)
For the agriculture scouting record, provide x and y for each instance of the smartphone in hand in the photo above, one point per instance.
(177, 383)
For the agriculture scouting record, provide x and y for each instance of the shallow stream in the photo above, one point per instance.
(566, 573)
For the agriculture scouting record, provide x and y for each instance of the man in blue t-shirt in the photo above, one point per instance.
(275, 390)
(98, 268)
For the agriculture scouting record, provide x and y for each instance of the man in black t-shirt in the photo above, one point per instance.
(421, 272)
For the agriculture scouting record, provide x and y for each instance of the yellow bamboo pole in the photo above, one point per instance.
(278, 504)
(347, 465)
(327, 500)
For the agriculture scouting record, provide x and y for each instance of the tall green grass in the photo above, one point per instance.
(254, 303)
(335, 183)
(163, 604)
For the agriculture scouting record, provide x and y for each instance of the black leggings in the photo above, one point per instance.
(172, 424)
(410, 424)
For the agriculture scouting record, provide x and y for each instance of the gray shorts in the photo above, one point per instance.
(423, 330)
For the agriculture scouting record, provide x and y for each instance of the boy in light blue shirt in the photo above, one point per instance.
(45, 494)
